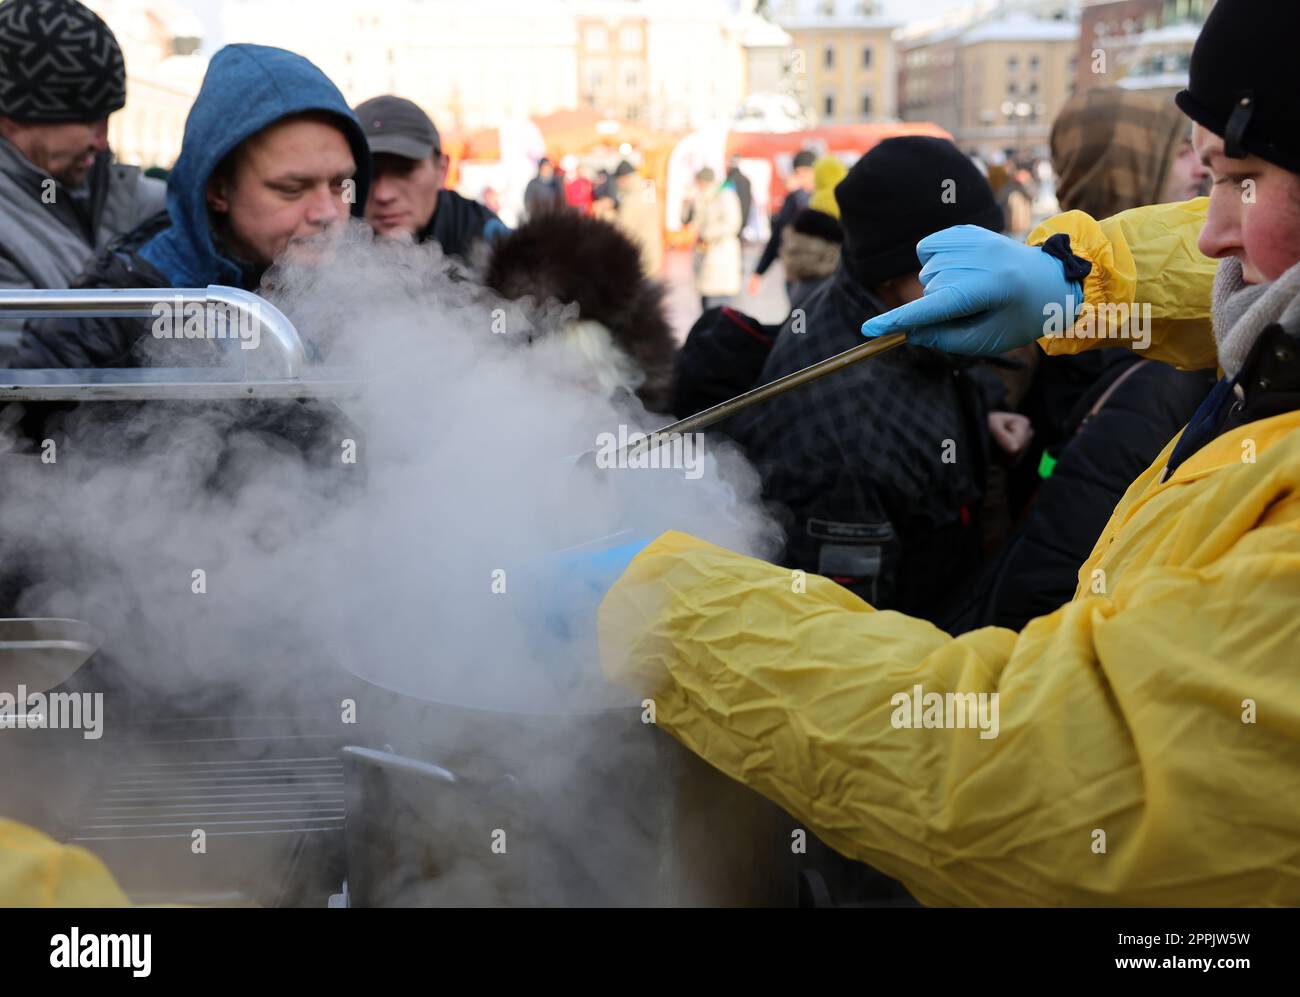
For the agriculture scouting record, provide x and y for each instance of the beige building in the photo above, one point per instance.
(843, 58)
(929, 87)
(613, 76)
(997, 85)
(1016, 75)
(665, 64)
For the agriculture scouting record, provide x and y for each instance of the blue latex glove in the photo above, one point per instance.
(596, 571)
(570, 585)
(984, 294)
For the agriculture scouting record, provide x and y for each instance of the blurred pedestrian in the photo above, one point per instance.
(800, 187)
(810, 248)
(715, 212)
(744, 191)
(579, 192)
(544, 192)
(638, 215)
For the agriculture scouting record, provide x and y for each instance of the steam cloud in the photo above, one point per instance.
(383, 567)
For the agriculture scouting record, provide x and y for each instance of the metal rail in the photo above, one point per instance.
(283, 361)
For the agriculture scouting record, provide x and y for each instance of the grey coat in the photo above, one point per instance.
(48, 233)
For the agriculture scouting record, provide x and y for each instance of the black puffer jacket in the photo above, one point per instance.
(1147, 404)
(877, 470)
(458, 224)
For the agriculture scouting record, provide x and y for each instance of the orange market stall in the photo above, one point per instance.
(505, 158)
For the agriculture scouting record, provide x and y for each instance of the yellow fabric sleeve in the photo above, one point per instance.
(37, 871)
(1144, 257)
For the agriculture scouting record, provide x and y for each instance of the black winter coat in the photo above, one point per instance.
(877, 470)
(1038, 570)
(458, 223)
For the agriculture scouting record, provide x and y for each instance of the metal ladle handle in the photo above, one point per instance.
(723, 410)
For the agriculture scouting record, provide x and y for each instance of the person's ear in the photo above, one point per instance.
(218, 200)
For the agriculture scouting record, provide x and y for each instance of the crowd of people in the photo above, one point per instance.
(1069, 523)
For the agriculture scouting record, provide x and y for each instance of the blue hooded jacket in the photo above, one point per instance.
(246, 88)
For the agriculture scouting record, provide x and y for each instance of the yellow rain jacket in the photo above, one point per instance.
(1148, 737)
(36, 871)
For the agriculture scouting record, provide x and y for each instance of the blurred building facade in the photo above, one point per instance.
(843, 58)
(469, 65)
(160, 41)
(996, 83)
(666, 64)
(1016, 74)
(1138, 44)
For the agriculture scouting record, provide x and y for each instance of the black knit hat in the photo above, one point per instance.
(901, 191)
(58, 62)
(1240, 85)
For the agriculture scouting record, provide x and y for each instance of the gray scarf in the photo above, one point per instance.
(1242, 311)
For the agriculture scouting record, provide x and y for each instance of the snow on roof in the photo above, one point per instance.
(1022, 28)
(1184, 33)
(759, 32)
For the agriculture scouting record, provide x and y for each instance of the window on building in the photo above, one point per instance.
(1033, 86)
(828, 105)
(828, 8)
(629, 38)
(631, 79)
(866, 105)
(595, 38)
(828, 57)
(866, 57)
(1013, 64)
(1013, 88)
(1033, 63)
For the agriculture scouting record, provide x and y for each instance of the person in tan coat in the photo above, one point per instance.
(715, 212)
(638, 216)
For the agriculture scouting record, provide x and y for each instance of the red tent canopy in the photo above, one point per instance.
(854, 140)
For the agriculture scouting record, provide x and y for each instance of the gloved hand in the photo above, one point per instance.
(566, 588)
(984, 293)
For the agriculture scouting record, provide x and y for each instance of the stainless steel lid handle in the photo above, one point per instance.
(279, 350)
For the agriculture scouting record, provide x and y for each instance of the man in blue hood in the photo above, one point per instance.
(272, 161)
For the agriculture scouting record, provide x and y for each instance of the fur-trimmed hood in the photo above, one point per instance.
(576, 259)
